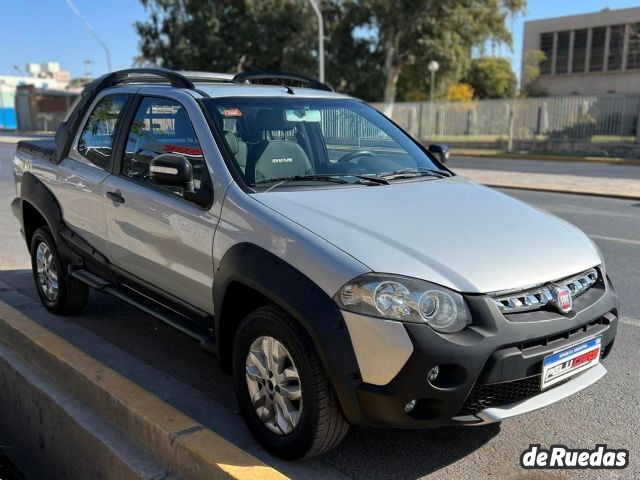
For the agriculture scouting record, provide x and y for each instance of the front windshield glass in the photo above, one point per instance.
(303, 142)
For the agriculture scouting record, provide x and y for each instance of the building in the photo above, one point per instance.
(42, 109)
(42, 76)
(595, 53)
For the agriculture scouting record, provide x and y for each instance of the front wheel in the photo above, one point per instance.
(59, 292)
(283, 393)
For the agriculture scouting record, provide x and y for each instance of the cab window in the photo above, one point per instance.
(96, 140)
(161, 126)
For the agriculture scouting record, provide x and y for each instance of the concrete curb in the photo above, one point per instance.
(543, 157)
(178, 442)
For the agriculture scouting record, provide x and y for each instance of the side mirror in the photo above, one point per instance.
(172, 170)
(440, 151)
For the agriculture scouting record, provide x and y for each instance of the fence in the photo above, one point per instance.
(604, 118)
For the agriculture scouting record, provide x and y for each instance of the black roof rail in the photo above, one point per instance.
(176, 79)
(278, 78)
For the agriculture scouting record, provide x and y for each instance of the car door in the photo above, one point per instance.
(156, 236)
(78, 181)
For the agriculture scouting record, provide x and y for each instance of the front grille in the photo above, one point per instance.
(542, 295)
(563, 337)
(497, 394)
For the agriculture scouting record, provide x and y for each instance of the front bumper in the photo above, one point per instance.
(491, 370)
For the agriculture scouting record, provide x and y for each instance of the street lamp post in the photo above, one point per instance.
(316, 9)
(433, 68)
(75, 10)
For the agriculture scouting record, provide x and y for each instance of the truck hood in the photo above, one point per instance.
(451, 231)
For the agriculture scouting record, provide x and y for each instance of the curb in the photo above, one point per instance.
(545, 157)
(178, 442)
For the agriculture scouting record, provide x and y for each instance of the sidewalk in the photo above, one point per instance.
(606, 187)
(15, 137)
(493, 153)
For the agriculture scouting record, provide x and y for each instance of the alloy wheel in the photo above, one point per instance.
(274, 385)
(47, 273)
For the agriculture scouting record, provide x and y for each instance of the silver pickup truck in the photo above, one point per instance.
(336, 267)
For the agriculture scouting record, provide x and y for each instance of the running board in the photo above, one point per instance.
(207, 341)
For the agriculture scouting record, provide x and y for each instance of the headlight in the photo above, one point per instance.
(406, 299)
(603, 268)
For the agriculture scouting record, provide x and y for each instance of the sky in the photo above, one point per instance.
(48, 30)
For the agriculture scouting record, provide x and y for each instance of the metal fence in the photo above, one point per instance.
(580, 117)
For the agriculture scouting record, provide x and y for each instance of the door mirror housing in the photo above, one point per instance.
(440, 151)
(172, 170)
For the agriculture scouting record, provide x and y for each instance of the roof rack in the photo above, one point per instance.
(208, 76)
(176, 79)
(139, 75)
(284, 79)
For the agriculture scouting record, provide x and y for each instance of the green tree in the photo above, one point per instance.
(492, 77)
(229, 35)
(410, 33)
(531, 86)
(374, 48)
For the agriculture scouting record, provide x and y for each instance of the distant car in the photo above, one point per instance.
(335, 266)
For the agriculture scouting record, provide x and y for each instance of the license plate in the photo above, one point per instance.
(568, 362)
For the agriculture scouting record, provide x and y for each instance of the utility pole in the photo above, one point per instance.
(316, 9)
(75, 10)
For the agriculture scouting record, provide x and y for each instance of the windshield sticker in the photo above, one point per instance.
(232, 112)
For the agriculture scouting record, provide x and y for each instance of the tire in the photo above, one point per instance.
(66, 296)
(320, 425)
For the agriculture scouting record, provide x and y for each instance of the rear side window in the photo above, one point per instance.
(96, 139)
(161, 126)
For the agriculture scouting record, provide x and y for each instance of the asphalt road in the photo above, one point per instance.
(607, 412)
(587, 169)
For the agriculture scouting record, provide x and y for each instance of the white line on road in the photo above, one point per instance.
(616, 239)
(589, 211)
(630, 321)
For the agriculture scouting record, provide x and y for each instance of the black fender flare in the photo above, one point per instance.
(298, 295)
(37, 195)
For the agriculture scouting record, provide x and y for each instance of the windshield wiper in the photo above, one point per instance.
(377, 180)
(293, 178)
(415, 172)
(363, 180)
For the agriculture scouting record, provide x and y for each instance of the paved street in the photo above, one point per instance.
(190, 379)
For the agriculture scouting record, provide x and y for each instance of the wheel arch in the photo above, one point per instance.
(249, 276)
(41, 208)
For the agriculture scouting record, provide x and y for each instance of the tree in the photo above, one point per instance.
(374, 47)
(410, 33)
(229, 35)
(459, 92)
(531, 86)
(492, 77)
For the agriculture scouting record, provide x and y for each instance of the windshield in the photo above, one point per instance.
(303, 142)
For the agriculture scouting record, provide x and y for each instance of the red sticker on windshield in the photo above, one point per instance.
(189, 151)
(232, 112)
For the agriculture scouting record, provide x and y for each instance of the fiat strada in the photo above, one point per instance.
(336, 267)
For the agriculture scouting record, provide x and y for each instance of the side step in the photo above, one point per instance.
(207, 341)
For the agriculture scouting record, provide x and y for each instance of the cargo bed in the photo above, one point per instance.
(44, 146)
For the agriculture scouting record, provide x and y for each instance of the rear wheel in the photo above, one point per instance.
(283, 393)
(59, 292)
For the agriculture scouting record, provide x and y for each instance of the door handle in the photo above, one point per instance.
(115, 197)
